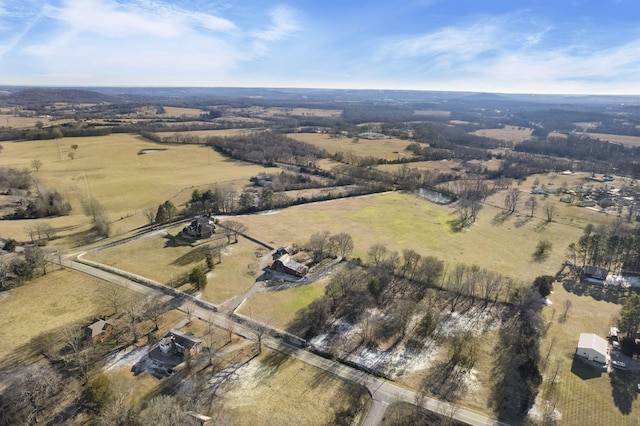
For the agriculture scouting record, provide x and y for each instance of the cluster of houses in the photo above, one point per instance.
(589, 195)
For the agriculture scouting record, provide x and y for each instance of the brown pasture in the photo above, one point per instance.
(388, 149)
(111, 170)
(507, 133)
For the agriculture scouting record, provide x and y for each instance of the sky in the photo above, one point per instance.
(505, 46)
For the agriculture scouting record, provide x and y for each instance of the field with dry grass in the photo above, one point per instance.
(400, 221)
(507, 133)
(586, 395)
(111, 170)
(443, 166)
(278, 308)
(275, 389)
(388, 149)
(621, 139)
(46, 303)
(157, 257)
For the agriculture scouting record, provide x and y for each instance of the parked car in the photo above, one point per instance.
(618, 364)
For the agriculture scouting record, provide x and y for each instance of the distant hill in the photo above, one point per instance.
(47, 96)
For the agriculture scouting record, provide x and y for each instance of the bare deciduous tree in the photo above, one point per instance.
(40, 382)
(233, 228)
(341, 244)
(36, 164)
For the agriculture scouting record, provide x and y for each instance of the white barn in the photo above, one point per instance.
(593, 348)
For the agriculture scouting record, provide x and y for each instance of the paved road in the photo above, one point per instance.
(384, 393)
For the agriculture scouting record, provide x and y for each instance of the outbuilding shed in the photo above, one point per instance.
(593, 348)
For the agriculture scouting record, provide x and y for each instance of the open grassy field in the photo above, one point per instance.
(621, 139)
(388, 149)
(443, 166)
(275, 389)
(110, 169)
(279, 307)
(507, 133)
(53, 300)
(10, 120)
(586, 396)
(401, 221)
(155, 257)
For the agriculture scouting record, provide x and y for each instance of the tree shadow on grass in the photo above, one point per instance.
(522, 220)
(197, 254)
(446, 381)
(501, 218)
(348, 403)
(609, 293)
(624, 390)
(270, 364)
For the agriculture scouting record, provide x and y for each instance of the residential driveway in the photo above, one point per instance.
(632, 364)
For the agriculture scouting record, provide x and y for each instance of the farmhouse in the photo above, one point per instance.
(175, 342)
(593, 348)
(200, 227)
(283, 263)
(99, 331)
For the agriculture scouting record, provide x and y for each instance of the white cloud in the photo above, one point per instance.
(117, 20)
(283, 24)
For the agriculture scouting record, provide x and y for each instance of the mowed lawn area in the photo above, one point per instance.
(157, 258)
(400, 221)
(278, 308)
(111, 170)
(388, 149)
(586, 396)
(61, 297)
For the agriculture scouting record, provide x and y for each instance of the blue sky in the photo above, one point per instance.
(511, 46)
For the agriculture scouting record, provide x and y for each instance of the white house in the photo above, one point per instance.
(593, 348)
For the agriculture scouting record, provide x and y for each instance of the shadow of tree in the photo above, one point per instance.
(523, 220)
(501, 218)
(348, 402)
(609, 293)
(624, 390)
(197, 254)
(446, 381)
(270, 364)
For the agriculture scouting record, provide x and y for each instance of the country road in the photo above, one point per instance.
(383, 392)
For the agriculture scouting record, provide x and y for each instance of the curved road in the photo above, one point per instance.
(383, 392)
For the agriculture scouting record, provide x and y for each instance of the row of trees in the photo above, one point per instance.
(616, 250)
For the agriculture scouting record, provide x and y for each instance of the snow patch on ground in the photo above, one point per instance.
(622, 281)
(345, 341)
(125, 358)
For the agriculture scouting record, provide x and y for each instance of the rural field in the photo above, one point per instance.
(111, 170)
(158, 258)
(388, 149)
(400, 221)
(585, 396)
(64, 296)
(275, 389)
(632, 141)
(507, 133)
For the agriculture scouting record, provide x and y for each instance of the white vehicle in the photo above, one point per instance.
(618, 364)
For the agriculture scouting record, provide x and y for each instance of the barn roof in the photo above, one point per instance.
(98, 327)
(593, 341)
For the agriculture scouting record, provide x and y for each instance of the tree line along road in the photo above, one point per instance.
(383, 392)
